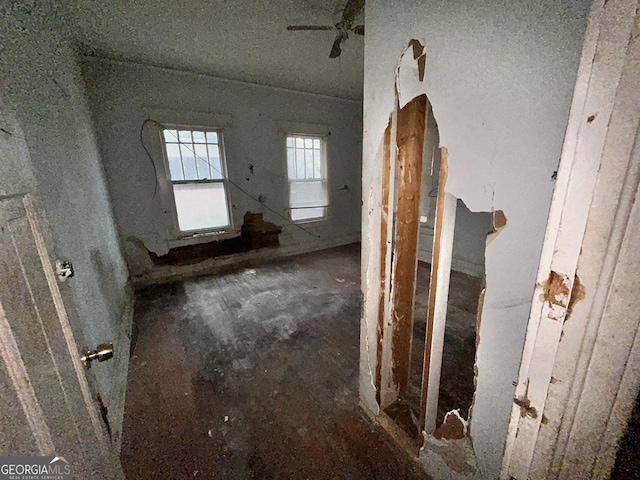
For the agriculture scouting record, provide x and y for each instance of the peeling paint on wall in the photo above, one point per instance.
(555, 292)
(499, 222)
(525, 407)
(578, 293)
(419, 55)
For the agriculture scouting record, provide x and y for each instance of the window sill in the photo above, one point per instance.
(196, 238)
(311, 220)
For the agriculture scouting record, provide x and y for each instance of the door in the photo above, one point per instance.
(46, 405)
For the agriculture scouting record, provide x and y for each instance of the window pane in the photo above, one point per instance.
(212, 137)
(291, 163)
(201, 206)
(214, 161)
(184, 135)
(308, 197)
(202, 161)
(188, 162)
(175, 165)
(198, 137)
(170, 135)
(307, 194)
(317, 172)
(299, 164)
(307, 213)
(308, 160)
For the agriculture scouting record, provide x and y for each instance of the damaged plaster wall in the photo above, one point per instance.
(59, 164)
(124, 94)
(499, 77)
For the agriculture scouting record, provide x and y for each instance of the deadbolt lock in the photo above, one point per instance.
(103, 352)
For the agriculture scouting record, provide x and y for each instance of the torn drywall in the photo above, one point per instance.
(454, 427)
(499, 221)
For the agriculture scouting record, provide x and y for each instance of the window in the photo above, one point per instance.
(307, 171)
(196, 168)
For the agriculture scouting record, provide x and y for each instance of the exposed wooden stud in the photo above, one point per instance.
(438, 296)
(388, 389)
(410, 143)
(386, 179)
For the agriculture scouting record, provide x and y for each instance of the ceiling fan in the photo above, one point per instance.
(344, 26)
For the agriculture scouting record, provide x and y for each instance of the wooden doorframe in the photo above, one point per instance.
(546, 438)
(399, 242)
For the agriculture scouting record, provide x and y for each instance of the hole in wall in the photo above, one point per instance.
(465, 286)
(466, 281)
(432, 272)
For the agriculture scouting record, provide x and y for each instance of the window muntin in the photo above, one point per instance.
(306, 169)
(196, 171)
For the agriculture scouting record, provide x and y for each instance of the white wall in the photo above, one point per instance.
(499, 76)
(469, 241)
(122, 95)
(57, 160)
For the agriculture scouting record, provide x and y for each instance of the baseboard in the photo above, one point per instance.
(468, 267)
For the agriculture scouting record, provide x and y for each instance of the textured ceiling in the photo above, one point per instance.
(240, 39)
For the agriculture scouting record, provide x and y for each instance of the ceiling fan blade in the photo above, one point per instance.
(336, 50)
(351, 9)
(310, 27)
(358, 29)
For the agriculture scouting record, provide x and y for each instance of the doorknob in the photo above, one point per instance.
(103, 352)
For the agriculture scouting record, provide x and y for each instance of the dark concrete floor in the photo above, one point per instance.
(253, 374)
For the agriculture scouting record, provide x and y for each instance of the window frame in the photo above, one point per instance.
(170, 193)
(324, 171)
